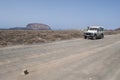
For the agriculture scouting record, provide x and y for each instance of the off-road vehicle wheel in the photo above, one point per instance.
(94, 37)
(85, 37)
(102, 36)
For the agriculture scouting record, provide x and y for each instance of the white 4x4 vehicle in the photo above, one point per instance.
(94, 32)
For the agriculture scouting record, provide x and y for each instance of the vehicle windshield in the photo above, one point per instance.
(92, 29)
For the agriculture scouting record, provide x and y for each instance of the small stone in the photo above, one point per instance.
(26, 72)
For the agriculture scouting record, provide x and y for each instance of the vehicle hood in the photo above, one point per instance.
(91, 31)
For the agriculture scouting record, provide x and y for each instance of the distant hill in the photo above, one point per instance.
(117, 29)
(31, 26)
(38, 26)
(18, 28)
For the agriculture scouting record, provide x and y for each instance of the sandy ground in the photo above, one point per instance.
(76, 59)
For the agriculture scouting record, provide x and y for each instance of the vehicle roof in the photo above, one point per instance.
(95, 26)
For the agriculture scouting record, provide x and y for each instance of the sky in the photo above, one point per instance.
(60, 14)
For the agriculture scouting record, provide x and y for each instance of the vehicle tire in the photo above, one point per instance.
(94, 37)
(102, 36)
(85, 37)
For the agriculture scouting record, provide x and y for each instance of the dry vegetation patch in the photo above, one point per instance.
(14, 37)
(111, 32)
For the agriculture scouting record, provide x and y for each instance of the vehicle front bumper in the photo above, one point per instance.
(90, 35)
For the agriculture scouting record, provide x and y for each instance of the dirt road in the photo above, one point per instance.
(76, 59)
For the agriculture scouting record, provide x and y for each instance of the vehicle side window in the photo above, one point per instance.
(98, 30)
(101, 29)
